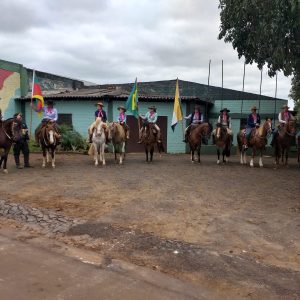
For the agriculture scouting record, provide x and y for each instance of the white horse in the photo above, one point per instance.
(99, 140)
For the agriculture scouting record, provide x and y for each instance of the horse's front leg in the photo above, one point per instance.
(260, 159)
(44, 157)
(47, 155)
(252, 158)
(192, 155)
(151, 153)
(102, 151)
(53, 157)
(122, 153)
(96, 150)
(218, 153)
(146, 152)
(4, 158)
(286, 156)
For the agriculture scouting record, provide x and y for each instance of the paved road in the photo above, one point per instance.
(30, 270)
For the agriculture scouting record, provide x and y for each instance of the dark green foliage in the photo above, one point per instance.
(265, 32)
(71, 140)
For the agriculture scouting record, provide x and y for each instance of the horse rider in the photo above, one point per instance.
(151, 118)
(122, 118)
(99, 113)
(224, 121)
(283, 117)
(50, 114)
(21, 144)
(253, 121)
(195, 118)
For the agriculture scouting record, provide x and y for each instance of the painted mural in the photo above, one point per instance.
(9, 90)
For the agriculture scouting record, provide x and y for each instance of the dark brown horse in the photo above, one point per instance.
(223, 143)
(195, 138)
(149, 139)
(283, 141)
(47, 138)
(257, 142)
(10, 132)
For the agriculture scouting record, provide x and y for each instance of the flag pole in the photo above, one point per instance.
(137, 105)
(31, 102)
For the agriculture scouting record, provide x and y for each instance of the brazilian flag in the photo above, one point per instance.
(132, 101)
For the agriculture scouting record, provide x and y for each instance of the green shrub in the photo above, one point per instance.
(71, 140)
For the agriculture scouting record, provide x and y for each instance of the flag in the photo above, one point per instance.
(132, 101)
(37, 94)
(177, 111)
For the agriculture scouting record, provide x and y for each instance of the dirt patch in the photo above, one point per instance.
(241, 214)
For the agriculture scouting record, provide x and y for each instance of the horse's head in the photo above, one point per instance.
(291, 127)
(207, 129)
(266, 127)
(16, 130)
(50, 133)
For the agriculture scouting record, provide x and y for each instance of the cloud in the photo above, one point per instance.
(116, 40)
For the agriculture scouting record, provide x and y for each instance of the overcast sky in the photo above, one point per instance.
(114, 41)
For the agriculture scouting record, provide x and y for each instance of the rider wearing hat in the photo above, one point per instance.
(49, 115)
(253, 121)
(21, 144)
(150, 117)
(122, 118)
(99, 113)
(224, 121)
(283, 117)
(195, 118)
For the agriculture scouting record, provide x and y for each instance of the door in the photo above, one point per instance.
(132, 122)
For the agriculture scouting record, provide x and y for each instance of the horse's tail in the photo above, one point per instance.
(160, 147)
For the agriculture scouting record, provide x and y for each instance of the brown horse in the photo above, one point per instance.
(149, 139)
(195, 138)
(118, 139)
(10, 132)
(283, 141)
(48, 140)
(223, 143)
(257, 142)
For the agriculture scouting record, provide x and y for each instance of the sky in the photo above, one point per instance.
(115, 41)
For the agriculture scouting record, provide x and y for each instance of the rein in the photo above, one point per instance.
(9, 137)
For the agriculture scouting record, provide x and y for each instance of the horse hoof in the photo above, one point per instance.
(53, 167)
(5, 171)
(43, 166)
(218, 162)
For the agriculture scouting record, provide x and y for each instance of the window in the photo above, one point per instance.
(65, 119)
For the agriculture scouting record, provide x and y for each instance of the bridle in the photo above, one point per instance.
(46, 135)
(12, 137)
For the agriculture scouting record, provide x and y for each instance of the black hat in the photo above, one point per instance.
(16, 114)
(225, 109)
(50, 102)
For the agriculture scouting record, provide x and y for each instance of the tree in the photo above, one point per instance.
(265, 32)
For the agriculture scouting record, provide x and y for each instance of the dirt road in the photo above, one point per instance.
(232, 228)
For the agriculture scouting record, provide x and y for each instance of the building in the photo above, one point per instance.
(75, 100)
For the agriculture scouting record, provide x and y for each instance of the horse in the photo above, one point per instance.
(149, 139)
(118, 139)
(283, 141)
(257, 142)
(10, 132)
(98, 140)
(223, 143)
(195, 138)
(47, 139)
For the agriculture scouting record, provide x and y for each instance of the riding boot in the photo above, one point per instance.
(17, 161)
